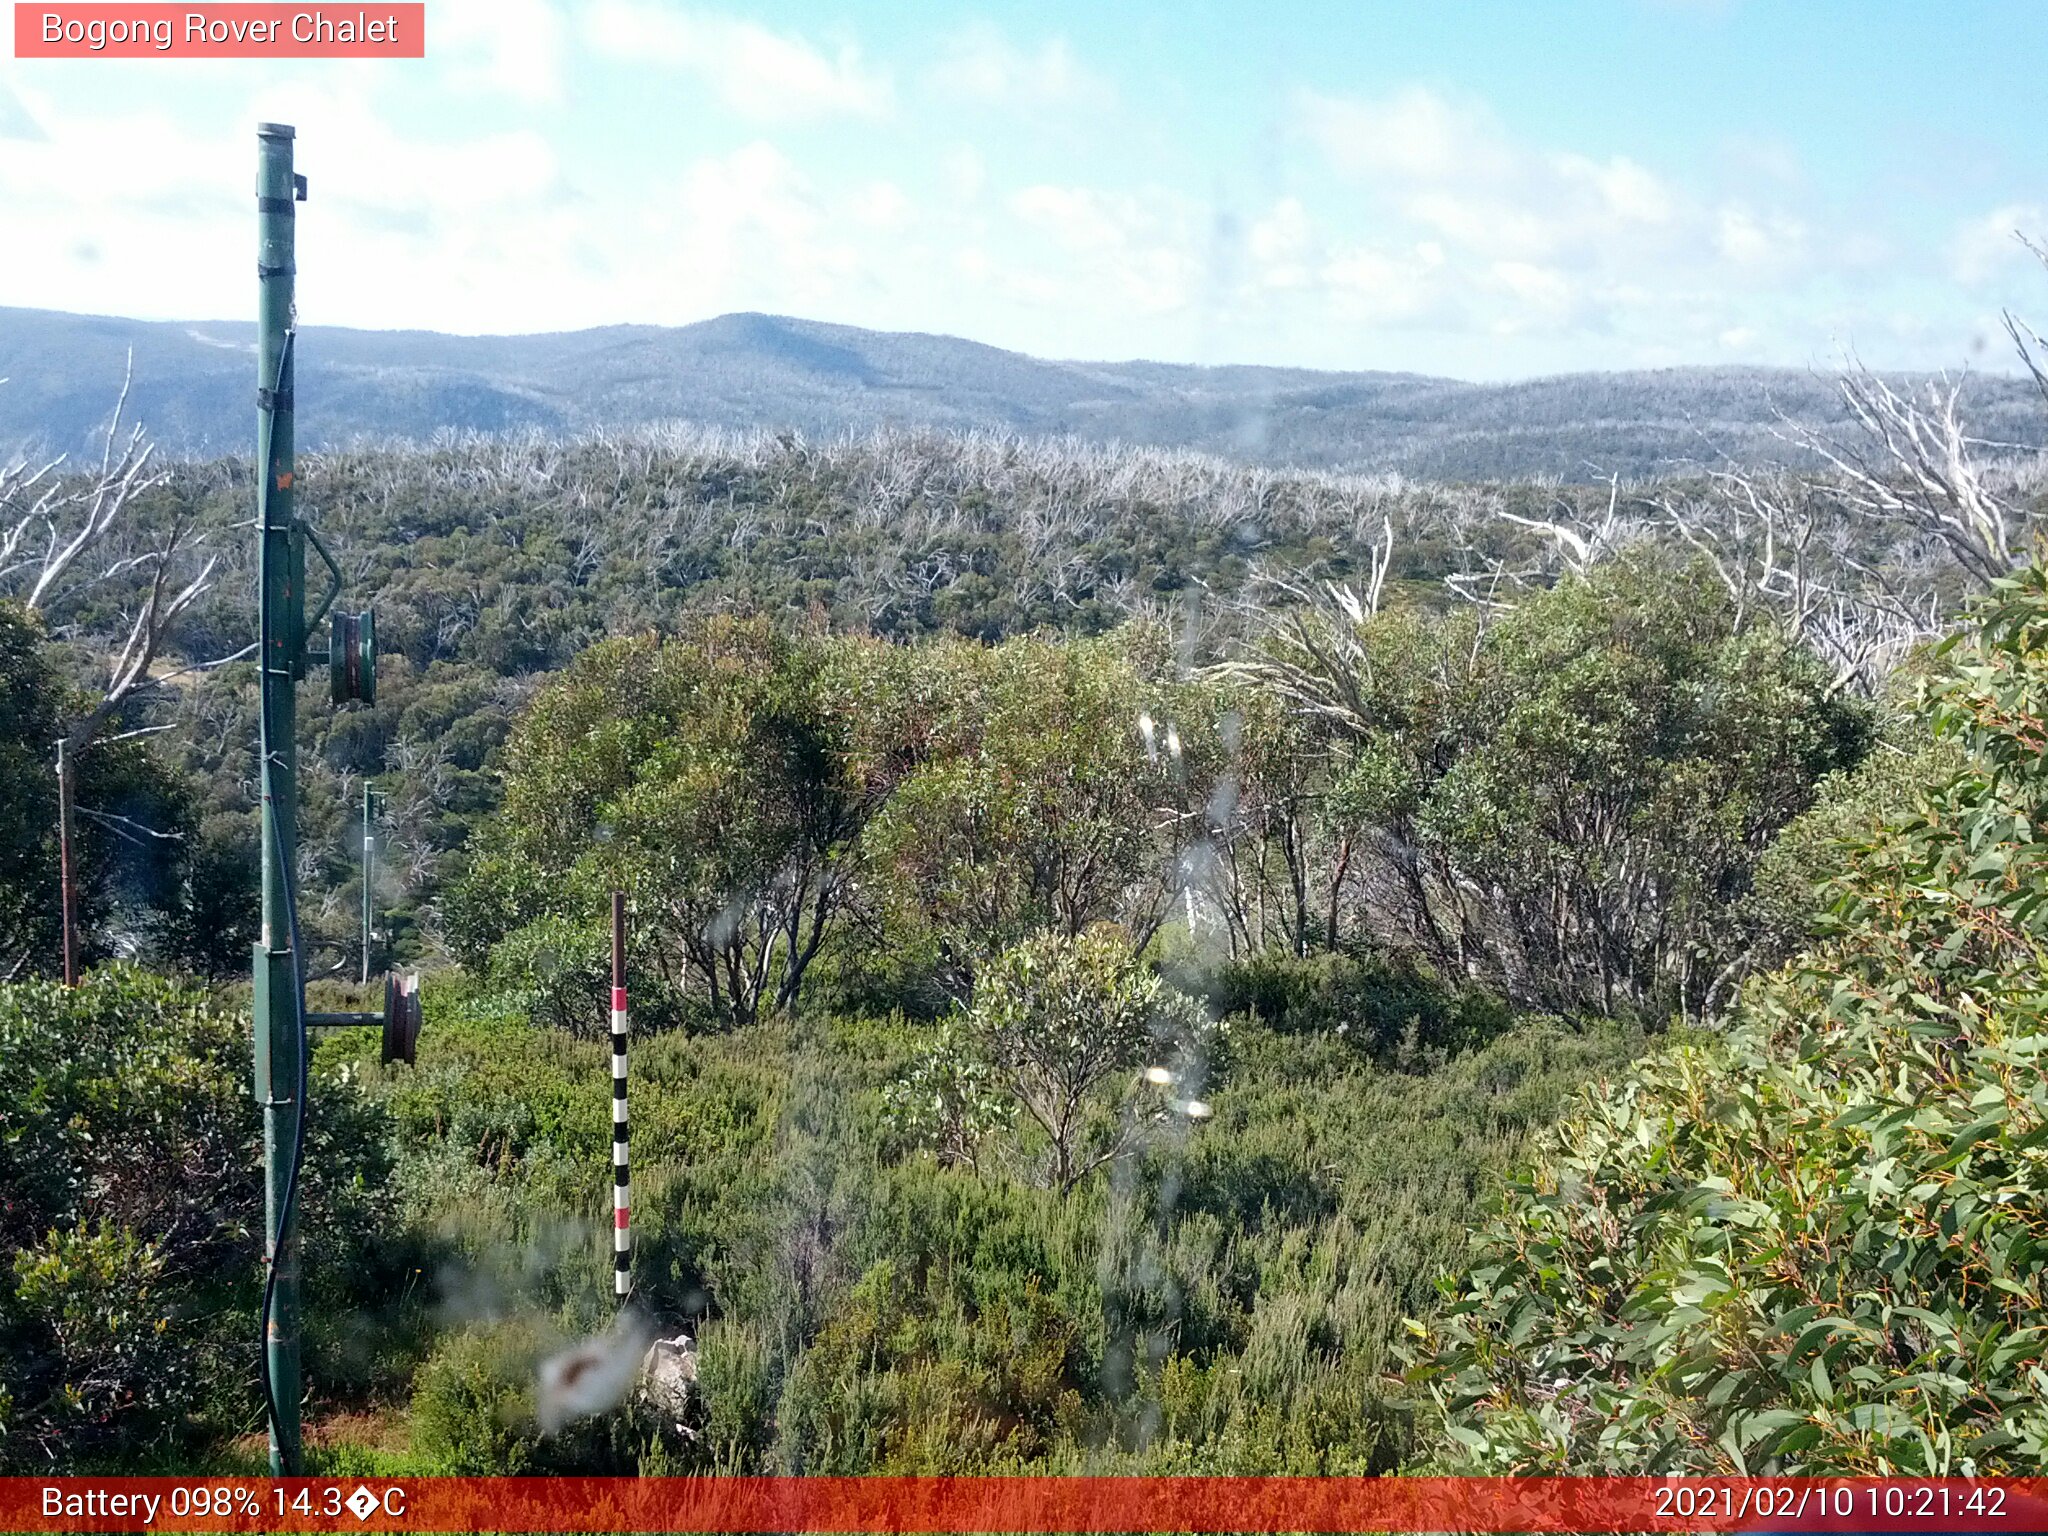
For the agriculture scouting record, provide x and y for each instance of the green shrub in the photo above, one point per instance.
(1222, 1298)
(1817, 1245)
(738, 1368)
(1788, 903)
(558, 970)
(131, 1195)
(472, 1404)
(907, 1379)
(1055, 1037)
(950, 1100)
(473, 1412)
(1390, 1008)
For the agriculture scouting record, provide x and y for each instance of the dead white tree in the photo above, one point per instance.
(1786, 552)
(1581, 541)
(1316, 652)
(58, 542)
(1915, 465)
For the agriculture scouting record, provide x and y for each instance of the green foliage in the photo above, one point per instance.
(93, 1296)
(496, 565)
(28, 810)
(1222, 1297)
(1225, 1302)
(128, 1194)
(718, 778)
(208, 926)
(951, 1099)
(130, 1201)
(1044, 774)
(1788, 901)
(473, 1412)
(1568, 802)
(132, 828)
(1064, 1024)
(558, 969)
(1389, 1008)
(968, 1388)
(1633, 752)
(768, 798)
(472, 1408)
(888, 873)
(1815, 1245)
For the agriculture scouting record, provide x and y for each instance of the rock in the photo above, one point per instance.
(669, 1375)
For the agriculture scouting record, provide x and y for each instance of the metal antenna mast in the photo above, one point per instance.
(283, 626)
(280, 1005)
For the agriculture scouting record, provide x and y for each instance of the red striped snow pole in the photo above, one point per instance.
(622, 1198)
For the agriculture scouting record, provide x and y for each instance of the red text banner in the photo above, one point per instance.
(220, 31)
(1051, 1504)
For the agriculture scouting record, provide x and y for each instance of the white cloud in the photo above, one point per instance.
(756, 189)
(1450, 167)
(402, 228)
(984, 66)
(881, 205)
(1385, 285)
(1140, 251)
(1280, 245)
(1627, 191)
(1416, 231)
(1749, 239)
(1549, 239)
(358, 158)
(1488, 224)
(964, 171)
(765, 76)
(1988, 247)
(746, 230)
(16, 121)
(1078, 217)
(1414, 135)
(511, 48)
(1542, 296)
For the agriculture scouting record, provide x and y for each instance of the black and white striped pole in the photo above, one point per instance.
(622, 1182)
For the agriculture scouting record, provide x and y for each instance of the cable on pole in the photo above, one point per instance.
(268, 733)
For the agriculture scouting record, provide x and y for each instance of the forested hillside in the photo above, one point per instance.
(776, 373)
(1102, 920)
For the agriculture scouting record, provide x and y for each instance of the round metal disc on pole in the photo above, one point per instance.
(352, 658)
(401, 1017)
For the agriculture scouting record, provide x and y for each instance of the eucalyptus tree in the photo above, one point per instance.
(720, 777)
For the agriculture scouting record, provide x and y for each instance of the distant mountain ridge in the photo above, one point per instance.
(194, 387)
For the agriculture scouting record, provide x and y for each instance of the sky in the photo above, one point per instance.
(1483, 190)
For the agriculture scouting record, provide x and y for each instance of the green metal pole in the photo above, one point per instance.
(369, 873)
(280, 576)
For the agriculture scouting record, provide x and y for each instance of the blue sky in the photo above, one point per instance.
(1488, 190)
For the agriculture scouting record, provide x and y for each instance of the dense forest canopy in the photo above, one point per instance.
(494, 562)
(1101, 920)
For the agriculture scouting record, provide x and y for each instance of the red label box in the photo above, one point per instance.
(219, 31)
